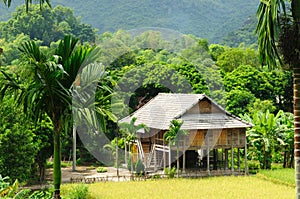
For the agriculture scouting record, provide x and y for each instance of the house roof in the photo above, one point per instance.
(165, 107)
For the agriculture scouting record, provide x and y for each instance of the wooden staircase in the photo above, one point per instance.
(156, 157)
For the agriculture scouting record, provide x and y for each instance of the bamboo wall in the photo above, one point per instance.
(224, 138)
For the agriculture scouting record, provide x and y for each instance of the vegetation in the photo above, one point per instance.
(225, 187)
(38, 72)
(101, 170)
(207, 19)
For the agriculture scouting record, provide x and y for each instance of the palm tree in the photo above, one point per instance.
(28, 2)
(173, 136)
(48, 91)
(129, 131)
(268, 30)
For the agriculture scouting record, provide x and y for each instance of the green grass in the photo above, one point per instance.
(214, 187)
(283, 176)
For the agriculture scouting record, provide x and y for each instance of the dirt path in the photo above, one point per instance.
(85, 171)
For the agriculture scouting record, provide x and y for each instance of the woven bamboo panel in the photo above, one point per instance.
(222, 138)
(196, 138)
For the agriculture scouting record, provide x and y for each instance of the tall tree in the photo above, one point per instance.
(269, 28)
(49, 89)
(28, 2)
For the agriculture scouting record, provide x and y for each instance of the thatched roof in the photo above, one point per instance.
(165, 107)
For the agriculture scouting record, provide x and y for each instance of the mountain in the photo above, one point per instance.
(211, 19)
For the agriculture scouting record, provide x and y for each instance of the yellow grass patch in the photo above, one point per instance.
(214, 187)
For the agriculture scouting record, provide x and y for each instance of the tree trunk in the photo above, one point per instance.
(297, 127)
(74, 149)
(57, 162)
(285, 157)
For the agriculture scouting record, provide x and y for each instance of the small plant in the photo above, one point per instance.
(253, 167)
(79, 192)
(155, 176)
(170, 172)
(101, 170)
(139, 167)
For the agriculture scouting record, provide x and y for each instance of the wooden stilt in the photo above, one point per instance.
(226, 159)
(246, 164)
(170, 156)
(232, 159)
(164, 155)
(155, 160)
(239, 160)
(208, 170)
(183, 151)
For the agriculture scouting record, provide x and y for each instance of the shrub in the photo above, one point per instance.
(253, 167)
(139, 167)
(79, 192)
(170, 172)
(101, 170)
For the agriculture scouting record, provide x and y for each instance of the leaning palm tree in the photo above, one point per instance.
(173, 136)
(48, 90)
(269, 29)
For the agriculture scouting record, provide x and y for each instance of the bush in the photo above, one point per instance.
(253, 167)
(101, 170)
(170, 172)
(79, 192)
(139, 167)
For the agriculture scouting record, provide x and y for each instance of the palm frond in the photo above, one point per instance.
(267, 29)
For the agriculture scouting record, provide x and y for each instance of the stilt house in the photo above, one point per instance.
(215, 137)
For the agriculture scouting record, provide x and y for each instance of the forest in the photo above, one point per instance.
(210, 19)
(136, 65)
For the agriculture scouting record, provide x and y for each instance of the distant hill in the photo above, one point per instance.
(245, 34)
(211, 19)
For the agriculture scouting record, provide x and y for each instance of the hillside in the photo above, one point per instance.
(211, 19)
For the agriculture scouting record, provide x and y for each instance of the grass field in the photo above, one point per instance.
(214, 187)
(283, 176)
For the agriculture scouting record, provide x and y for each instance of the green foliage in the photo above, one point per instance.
(238, 101)
(78, 192)
(245, 34)
(52, 24)
(253, 166)
(232, 58)
(101, 170)
(262, 106)
(264, 84)
(269, 135)
(170, 172)
(139, 167)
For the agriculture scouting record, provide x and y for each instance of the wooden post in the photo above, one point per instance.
(183, 151)
(170, 156)
(155, 167)
(246, 164)
(226, 159)
(232, 160)
(126, 160)
(164, 154)
(208, 171)
(117, 151)
(239, 160)
(74, 149)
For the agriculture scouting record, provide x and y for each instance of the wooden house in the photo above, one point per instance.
(213, 133)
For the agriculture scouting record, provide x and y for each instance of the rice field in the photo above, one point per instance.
(215, 187)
